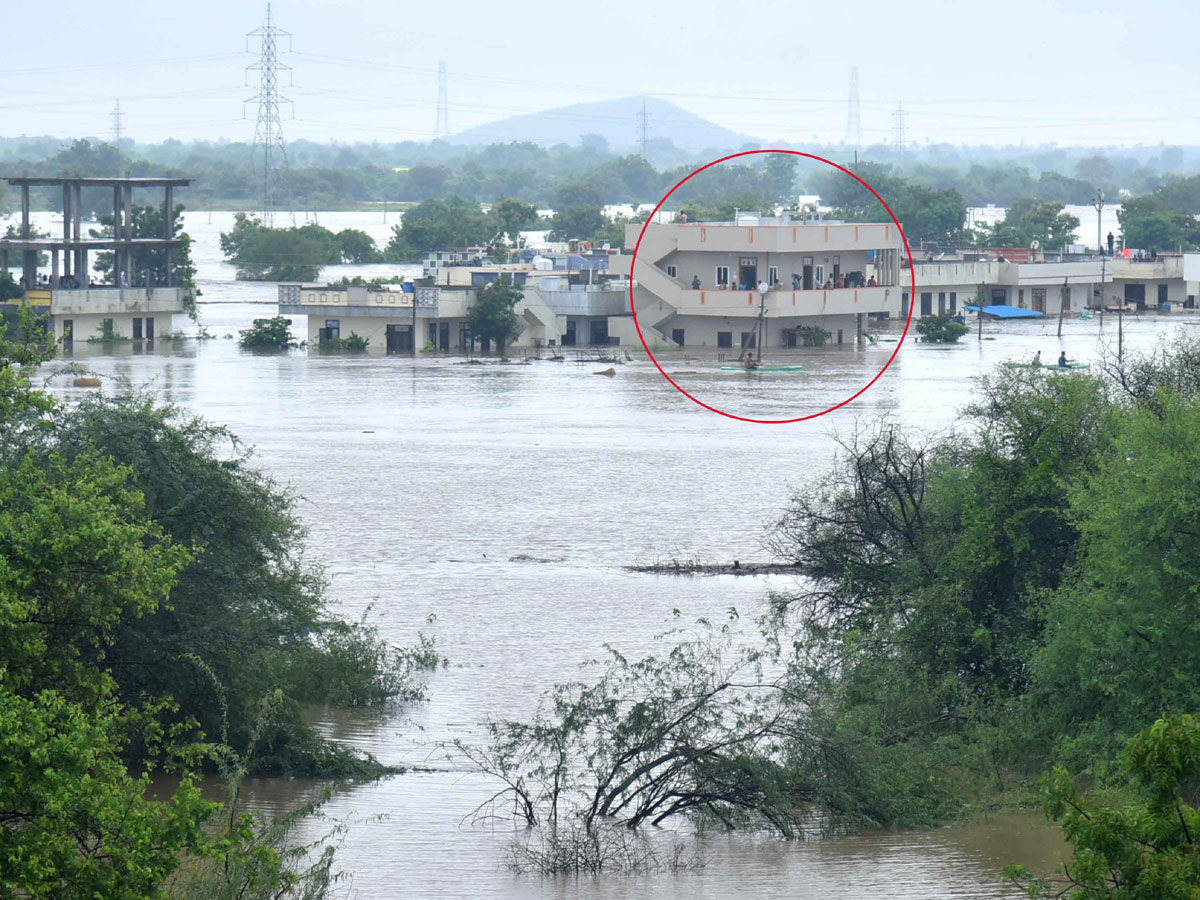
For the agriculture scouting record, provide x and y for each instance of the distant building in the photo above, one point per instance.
(948, 285)
(697, 283)
(558, 310)
(135, 303)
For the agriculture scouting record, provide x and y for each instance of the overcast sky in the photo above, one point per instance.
(1029, 71)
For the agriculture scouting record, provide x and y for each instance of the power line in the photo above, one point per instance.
(853, 119)
(268, 129)
(441, 126)
(116, 123)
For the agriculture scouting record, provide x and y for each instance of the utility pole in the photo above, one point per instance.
(116, 124)
(268, 129)
(1062, 305)
(441, 126)
(979, 310)
(853, 119)
(644, 131)
(1099, 204)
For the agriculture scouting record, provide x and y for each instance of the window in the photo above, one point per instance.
(722, 277)
(672, 271)
(677, 336)
(137, 328)
(953, 301)
(927, 303)
(724, 338)
(334, 327)
(820, 276)
(773, 275)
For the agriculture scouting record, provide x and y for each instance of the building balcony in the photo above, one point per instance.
(782, 303)
(111, 300)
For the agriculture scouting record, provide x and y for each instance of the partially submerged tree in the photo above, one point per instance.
(492, 318)
(270, 335)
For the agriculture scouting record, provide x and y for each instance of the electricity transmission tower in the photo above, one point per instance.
(644, 130)
(270, 153)
(898, 139)
(853, 121)
(441, 127)
(116, 124)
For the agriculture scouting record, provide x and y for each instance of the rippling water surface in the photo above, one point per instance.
(433, 487)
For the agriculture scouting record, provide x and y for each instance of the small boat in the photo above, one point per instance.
(762, 369)
(1013, 365)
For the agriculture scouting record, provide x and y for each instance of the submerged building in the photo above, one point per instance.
(141, 294)
(708, 284)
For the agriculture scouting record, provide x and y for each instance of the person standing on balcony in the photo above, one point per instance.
(695, 282)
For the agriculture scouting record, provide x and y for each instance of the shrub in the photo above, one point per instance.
(941, 329)
(268, 334)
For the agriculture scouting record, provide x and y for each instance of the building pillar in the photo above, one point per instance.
(66, 234)
(80, 268)
(28, 261)
(169, 232)
(54, 265)
(128, 210)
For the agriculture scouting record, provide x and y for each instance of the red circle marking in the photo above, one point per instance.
(912, 295)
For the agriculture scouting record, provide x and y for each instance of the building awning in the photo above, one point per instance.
(1001, 311)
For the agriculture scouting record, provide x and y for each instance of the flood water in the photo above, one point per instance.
(434, 488)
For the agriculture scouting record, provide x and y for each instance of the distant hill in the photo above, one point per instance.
(616, 120)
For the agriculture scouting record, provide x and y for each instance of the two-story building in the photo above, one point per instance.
(1167, 280)
(708, 284)
(142, 295)
(947, 286)
(556, 310)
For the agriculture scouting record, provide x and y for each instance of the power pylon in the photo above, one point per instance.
(898, 139)
(853, 120)
(116, 124)
(441, 127)
(644, 131)
(270, 152)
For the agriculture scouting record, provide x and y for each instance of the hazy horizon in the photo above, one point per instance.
(360, 73)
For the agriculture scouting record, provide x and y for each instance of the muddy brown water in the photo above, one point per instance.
(424, 484)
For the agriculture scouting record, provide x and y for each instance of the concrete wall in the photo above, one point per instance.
(87, 325)
(690, 263)
(702, 332)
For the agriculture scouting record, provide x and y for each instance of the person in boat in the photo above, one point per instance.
(1037, 360)
(751, 363)
(1063, 362)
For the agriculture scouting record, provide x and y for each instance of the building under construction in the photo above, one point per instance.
(141, 284)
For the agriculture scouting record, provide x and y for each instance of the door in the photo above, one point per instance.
(748, 339)
(137, 328)
(789, 338)
(747, 277)
(1136, 293)
(399, 338)
(599, 332)
(677, 336)
(68, 331)
(569, 337)
(1039, 300)
(941, 302)
(149, 328)
(1162, 296)
(927, 303)
(808, 277)
(444, 335)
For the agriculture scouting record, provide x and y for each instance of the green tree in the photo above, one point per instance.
(150, 262)
(941, 329)
(279, 254)
(492, 318)
(511, 217)
(270, 334)
(357, 247)
(1029, 220)
(1149, 222)
(779, 177)
(439, 225)
(1147, 851)
(577, 214)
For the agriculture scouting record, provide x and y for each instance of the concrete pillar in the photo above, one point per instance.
(80, 269)
(116, 270)
(28, 260)
(169, 232)
(66, 204)
(129, 261)
(54, 265)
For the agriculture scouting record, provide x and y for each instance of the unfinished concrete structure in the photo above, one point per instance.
(78, 305)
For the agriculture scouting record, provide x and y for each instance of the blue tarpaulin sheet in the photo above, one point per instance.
(1001, 311)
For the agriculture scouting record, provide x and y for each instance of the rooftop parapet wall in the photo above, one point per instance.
(813, 237)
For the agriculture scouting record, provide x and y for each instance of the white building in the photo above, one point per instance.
(1040, 286)
(697, 284)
